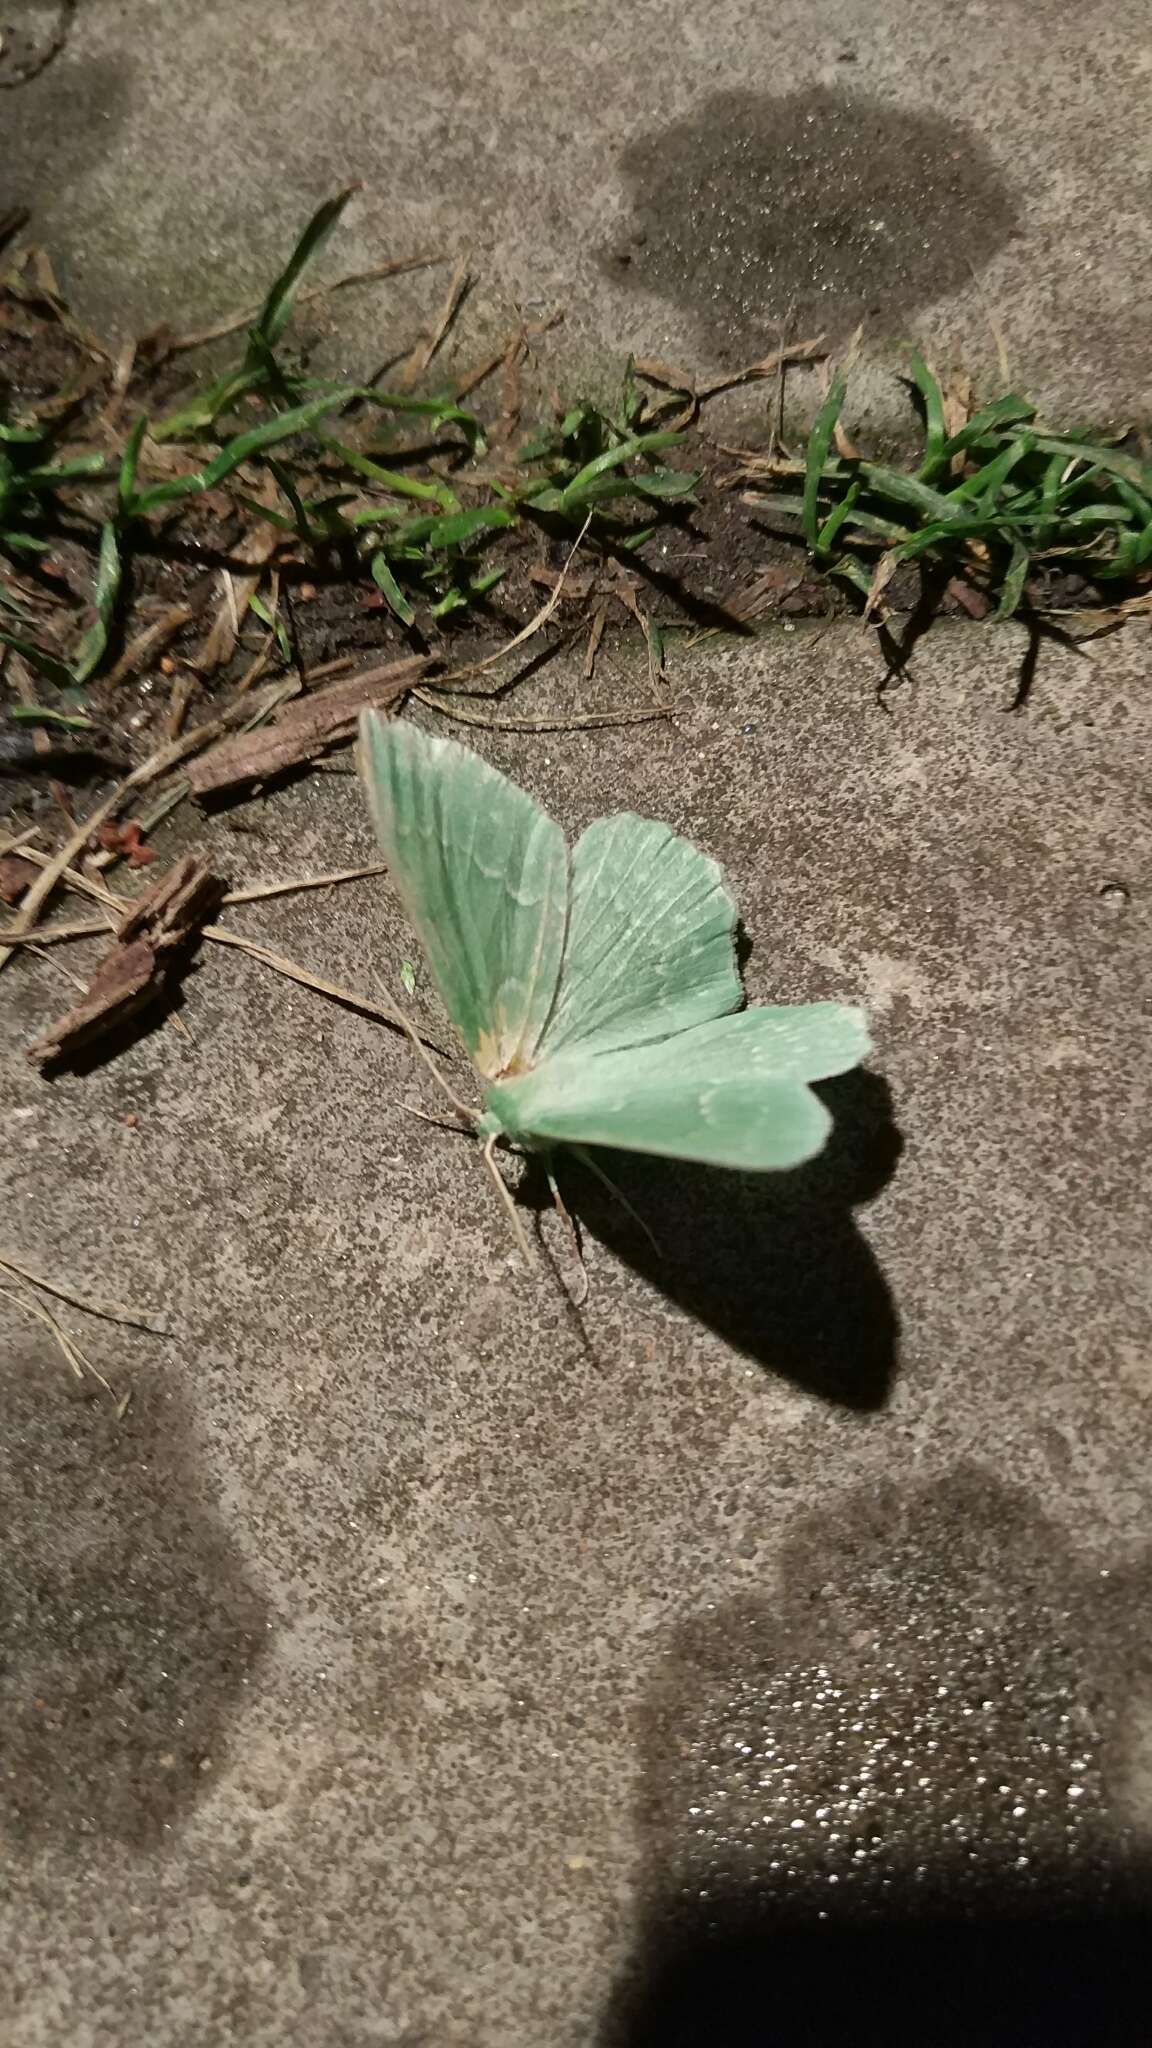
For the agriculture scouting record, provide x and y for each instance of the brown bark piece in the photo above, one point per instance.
(150, 945)
(305, 728)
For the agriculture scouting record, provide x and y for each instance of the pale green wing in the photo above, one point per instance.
(651, 940)
(482, 873)
(729, 1093)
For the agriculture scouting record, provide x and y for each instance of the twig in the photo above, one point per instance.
(53, 934)
(156, 764)
(599, 621)
(277, 961)
(177, 344)
(178, 701)
(424, 351)
(78, 1363)
(42, 888)
(677, 381)
(84, 885)
(15, 839)
(109, 1311)
(40, 952)
(594, 718)
(266, 889)
(527, 632)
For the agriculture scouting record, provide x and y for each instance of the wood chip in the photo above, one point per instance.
(308, 726)
(147, 644)
(150, 944)
(15, 875)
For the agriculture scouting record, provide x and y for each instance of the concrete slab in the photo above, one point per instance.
(417, 1663)
(677, 178)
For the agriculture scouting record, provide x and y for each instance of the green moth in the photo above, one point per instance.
(595, 988)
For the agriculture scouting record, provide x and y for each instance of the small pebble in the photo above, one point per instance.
(1113, 897)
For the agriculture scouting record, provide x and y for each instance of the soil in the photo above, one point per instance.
(721, 565)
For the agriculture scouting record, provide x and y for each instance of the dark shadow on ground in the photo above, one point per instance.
(880, 1808)
(1000, 1982)
(128, 1628)
(775, 1262)
(824, 206)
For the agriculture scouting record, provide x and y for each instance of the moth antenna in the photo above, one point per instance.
(587, 1160)
(505, 1197)
(407, 1026)
(581, 1297)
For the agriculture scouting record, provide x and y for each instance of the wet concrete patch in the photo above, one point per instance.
(128, 1630)
(897, 1775)
(826, 206)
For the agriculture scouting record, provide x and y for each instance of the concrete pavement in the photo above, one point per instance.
(416, 1662)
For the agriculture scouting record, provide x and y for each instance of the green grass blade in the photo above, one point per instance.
(1049, 498)
(631, 397)
(286, 481)
(667, 484)
(935, 433)
(203, 412)
(109, 570)
(277, 308)
(391, 479)
(1135, 500)
(1009, 411)
(386, 582)
(1111, 459)
(24, 543)
(634, 448)
(853, 572)
(43, 714)
(126, 484)
(275, 625)
(819, 444)
(984, 483)
(466, 526)
(45, 664)
(1134, 552)
(48, 478)
(1012, 586)
(281, 427)
(906, 490)
(439, 412)
(835, 520)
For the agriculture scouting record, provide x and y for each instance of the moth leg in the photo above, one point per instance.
(441, 1123)
(587, 1160)
(581, 1297)
(505, 1197)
